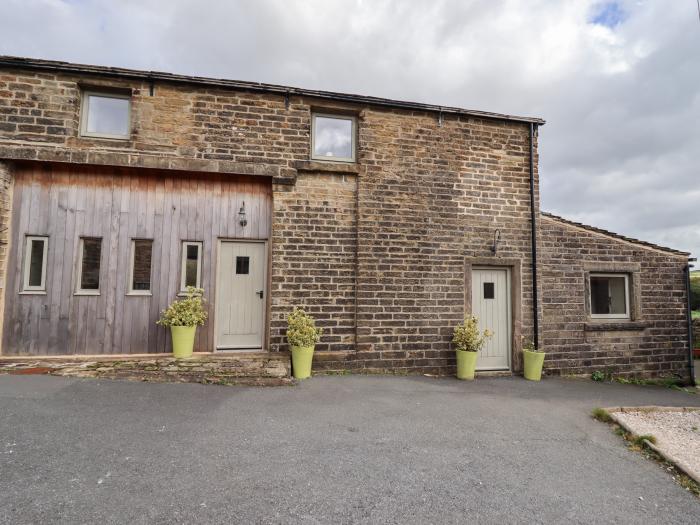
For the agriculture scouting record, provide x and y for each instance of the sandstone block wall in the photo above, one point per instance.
(654, 342)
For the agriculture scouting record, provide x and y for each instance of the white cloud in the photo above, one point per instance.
(622, 102)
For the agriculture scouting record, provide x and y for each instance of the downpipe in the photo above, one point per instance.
(533, 233)
(691, 361)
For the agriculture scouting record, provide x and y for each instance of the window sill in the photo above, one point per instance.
(328, 166)
(32, 292)
(139, 294)
(87, 292)
(614, 326)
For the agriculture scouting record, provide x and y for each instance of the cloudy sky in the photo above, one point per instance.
(617, 81)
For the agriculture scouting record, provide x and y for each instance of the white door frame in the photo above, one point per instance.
(266, 286)
(509, 306)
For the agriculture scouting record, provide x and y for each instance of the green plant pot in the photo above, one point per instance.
(183, 340)
(533, 362)
(302, 356)
(466, 364)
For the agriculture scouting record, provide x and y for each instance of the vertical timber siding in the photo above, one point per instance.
(6, 186)
(67, 202)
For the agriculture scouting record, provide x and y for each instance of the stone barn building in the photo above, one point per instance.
(388, 221)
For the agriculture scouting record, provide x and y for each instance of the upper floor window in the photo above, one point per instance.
(105, 115)
(333, 137)
(35, 253)
(610, 298)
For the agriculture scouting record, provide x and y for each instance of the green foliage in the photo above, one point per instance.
(639, 440)
(601, 415)
(598, 375)
(695, 291)
(185, 312)
(530, 346)
(301, 329)
(467, 336)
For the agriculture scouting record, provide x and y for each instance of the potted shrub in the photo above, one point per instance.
(183, 316)
(302, 336)
(468, 340)
(533, 359)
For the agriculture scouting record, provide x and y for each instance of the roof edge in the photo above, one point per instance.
(69, 67)
(613, 234)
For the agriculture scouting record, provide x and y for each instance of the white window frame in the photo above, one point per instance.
(26, 288)
(85, 109)
(353, 137)
(79, 271)
(628, 307)
(130, 288)
(183, 265)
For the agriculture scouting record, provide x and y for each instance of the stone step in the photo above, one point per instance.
(250, 368)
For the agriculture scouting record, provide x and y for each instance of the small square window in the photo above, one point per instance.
(105, 115)
(35, 255)
(609, 296)
(89, 266)
(140, 279)
(489, 291)
(333, 138)
(242, 265)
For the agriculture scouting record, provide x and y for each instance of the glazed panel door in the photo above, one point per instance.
(491, 305)
(240, 303)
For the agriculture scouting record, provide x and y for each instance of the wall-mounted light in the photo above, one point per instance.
(496, 240)
(242, 218)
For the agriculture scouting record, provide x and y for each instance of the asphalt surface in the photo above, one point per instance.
(332, 450)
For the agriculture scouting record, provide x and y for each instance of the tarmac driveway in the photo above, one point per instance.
(331, 450)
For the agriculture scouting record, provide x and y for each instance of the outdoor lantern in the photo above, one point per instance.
(496, 240)
(242, 219)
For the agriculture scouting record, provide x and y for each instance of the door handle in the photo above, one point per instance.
(260, 293)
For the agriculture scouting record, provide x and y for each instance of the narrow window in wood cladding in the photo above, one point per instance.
(90, 254)
(191, 265)
(140, 275)
(35, 254)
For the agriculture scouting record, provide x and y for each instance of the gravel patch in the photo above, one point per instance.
(677, 433)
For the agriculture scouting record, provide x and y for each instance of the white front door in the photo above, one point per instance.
(240, 295)
(491, 305)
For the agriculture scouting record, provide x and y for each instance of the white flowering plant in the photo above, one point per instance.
(185, 312)
(301, 329)
(467, 336)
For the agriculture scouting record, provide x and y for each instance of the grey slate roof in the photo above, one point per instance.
(612, 234)
(68, 67)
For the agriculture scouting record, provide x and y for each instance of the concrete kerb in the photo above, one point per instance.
(679, 464)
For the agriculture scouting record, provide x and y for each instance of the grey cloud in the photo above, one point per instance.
(622, 106)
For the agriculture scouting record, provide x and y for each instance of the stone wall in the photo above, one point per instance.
(314, 248)
(174, 126)
(430, 198)
(377, 250)
(259, 368)
(652, 343)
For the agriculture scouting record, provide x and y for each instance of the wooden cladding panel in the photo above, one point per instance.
(118, 205)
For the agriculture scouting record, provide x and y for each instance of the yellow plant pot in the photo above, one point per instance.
(183, 340)
(466, 364)
(302, 357)
(533, 362)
